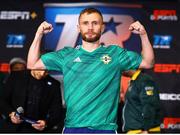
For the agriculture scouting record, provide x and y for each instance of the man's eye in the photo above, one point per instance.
(95, 23)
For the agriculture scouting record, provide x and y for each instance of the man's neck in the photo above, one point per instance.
(90, 47)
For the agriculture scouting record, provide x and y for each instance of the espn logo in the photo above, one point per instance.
(167, 68)
(171, 123)
(164, 15)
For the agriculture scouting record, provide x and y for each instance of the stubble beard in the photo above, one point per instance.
(89, 39)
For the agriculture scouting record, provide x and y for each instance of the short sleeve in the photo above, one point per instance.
(53, 60)
(129, 60)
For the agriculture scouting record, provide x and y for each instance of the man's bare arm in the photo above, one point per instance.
(34, 61)
(147, 50)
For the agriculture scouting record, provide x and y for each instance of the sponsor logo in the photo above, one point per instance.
(162, 41)
(17, 15)
(15, 41)
(171, 123)
(77, 60)
(164, 15)
(169, 96)
(166, 68)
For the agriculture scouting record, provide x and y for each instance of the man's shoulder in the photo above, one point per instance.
(114, 48)
(146, 77)
(67, 49)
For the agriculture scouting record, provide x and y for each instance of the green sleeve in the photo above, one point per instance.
(129, 60)
(53, 60)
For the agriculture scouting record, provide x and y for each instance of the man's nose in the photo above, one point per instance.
(90, 26)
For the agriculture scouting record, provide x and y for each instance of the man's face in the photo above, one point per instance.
(90, 27)
(18, 67)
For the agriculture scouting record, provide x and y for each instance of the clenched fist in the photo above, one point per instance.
(137, 28)
(44, 28)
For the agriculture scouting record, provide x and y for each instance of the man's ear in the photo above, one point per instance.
(78, 27)
(102, 29)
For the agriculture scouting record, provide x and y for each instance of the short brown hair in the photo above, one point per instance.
(89, 11)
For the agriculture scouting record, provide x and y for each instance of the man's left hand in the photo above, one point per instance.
(137, 28)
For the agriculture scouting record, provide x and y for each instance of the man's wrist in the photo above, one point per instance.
(143, 34)
(39, 34)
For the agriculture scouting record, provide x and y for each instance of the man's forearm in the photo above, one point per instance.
(34, 51)
(147, 51)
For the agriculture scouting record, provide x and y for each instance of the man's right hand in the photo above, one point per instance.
(14, 119)
(44, 28)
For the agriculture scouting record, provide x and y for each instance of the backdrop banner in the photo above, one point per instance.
(19, 22)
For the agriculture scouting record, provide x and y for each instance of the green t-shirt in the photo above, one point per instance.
(92, 83)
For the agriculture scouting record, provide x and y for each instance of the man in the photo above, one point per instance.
(91, 73)
(39, 96)
(17, 64)
(141, 111)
